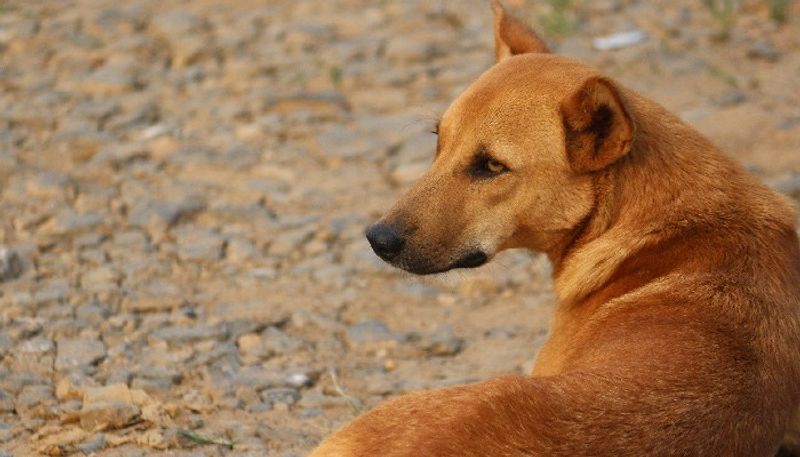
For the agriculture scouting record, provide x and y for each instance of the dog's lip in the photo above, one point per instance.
(474, 259)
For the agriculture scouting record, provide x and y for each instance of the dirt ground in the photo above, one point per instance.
(184, 188)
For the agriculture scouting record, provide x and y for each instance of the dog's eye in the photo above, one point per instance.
(487, 167)
(435, 129)
(493, 166)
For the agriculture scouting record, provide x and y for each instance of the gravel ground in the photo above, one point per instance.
(184, 188)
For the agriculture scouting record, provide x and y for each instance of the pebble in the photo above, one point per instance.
(7, 433)
(280, 395)
(37, 346)
(165, 213)
(299, 380)
(276, 341)
(789, 186)
(79, 354)
(730, 98)
(107, 415)
(94, 444)
(444, 342)
(33, 395)
(619, 40)
(368, 332)
(764, 50)
(199, 245)
(6, 402)
(52, 292)
(10, 264)
(191, 334)
(107, 407)
(258, 378)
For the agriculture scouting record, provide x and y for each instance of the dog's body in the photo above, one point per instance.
(677, 328)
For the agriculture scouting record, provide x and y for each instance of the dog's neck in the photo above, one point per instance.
(673, 181)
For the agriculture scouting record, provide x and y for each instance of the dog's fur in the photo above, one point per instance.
(677, 327)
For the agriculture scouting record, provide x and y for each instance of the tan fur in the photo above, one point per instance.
(677, 327)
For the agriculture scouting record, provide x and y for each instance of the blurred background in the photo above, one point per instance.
(184, 187)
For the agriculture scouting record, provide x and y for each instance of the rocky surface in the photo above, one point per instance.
(185, 186)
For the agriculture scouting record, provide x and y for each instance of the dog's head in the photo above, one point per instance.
(514, 162)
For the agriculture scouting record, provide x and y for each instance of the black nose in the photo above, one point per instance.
(385, 241)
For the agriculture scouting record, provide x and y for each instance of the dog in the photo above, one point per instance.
(677, 275)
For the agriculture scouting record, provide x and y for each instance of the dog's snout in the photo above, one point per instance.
(385, 241)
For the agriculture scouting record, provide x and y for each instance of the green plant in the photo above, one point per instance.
(779, 10)
(336, 75)
(724, 13)
(561, 19)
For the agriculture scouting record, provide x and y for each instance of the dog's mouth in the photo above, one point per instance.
(473, 259)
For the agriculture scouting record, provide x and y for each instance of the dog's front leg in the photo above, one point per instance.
(489, 418)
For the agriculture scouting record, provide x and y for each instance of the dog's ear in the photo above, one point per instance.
(598, 128)
(512, 36)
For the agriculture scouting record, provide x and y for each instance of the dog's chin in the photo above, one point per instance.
(421, 266)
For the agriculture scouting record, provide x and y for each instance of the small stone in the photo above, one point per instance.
(112, 392)
(369, 331)
(789, 186)
(107, 407)
(37, 346)
(92, 313)
(7, 433)
(257, 377)
(280, 395)
(199, 245)
(259, 407)
(78, 354)
(68, 222)
(10, 264)
(108, 81)
(157, 378)
(100, 279)
(240, 250)
(33, 395)
(93, 444)
(119, 155)
(66, 390)
(191, 334)
(731, 98)
(53, 292)
(619, 40)
(88, 240)
(443, 342)
(299, 380)
(764, 50)
(287, 242)
(276, 341)
(249, 344)
(165, 213)
(59, 443)
(108, 415)
(6, 402)
(789, 123)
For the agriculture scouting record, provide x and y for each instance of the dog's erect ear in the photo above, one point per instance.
(512, 36)
(598, 129)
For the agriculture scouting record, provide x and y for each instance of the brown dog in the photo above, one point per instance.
(677, 328)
